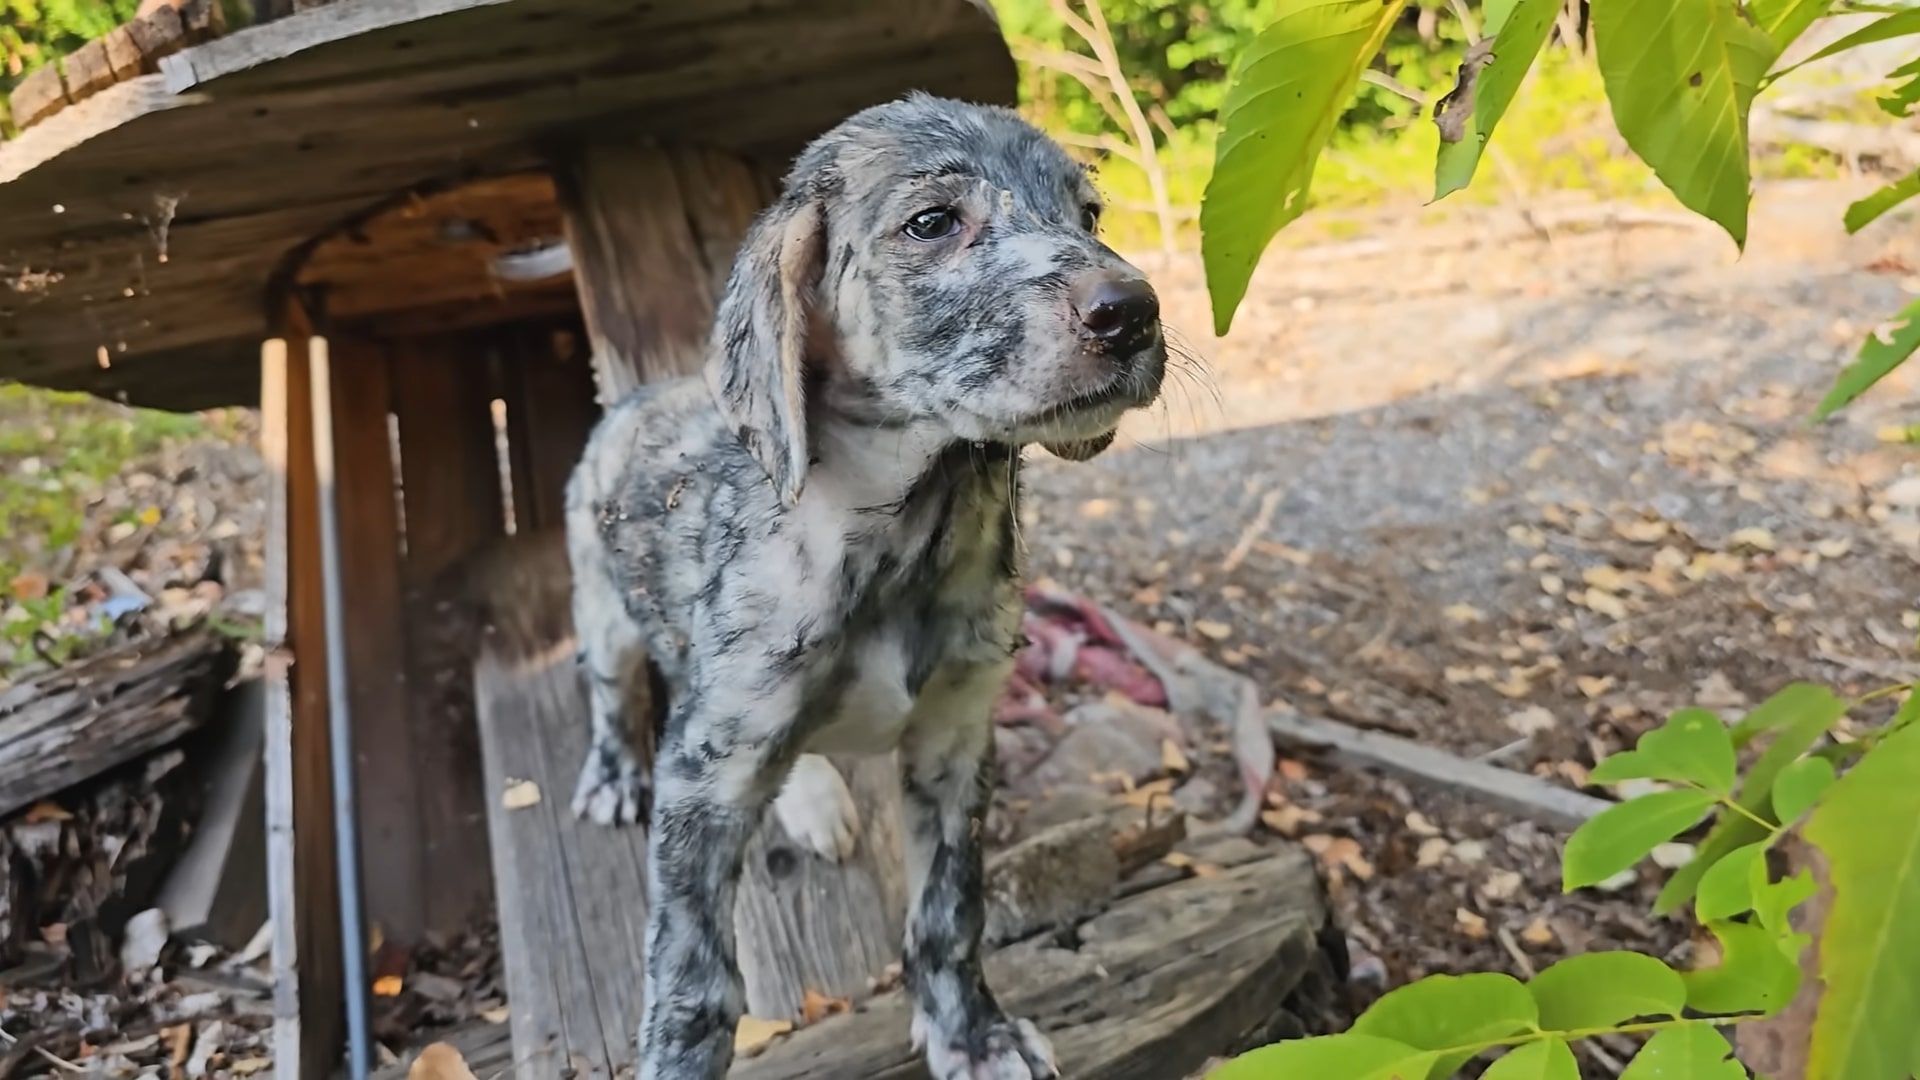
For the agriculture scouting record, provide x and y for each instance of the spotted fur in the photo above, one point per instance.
(817, 549)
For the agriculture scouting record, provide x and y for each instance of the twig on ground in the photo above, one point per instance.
(1262, 520)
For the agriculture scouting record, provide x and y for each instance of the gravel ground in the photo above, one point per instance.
(1516, 496)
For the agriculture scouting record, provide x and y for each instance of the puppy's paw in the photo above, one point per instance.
(816, 809)
(995, 1048)
(612, 790)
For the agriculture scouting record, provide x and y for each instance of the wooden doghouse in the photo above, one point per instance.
(353, 216)
(312, 214)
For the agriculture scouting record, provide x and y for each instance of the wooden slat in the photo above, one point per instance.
(451, 504)
(302, 881)
(38, 96)
(549, 418)
(392, 849)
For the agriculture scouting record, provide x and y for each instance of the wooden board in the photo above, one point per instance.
(346, 106)
(550, 412)
(302, 878)
(392, 844)
(1151, 989)
(451, 504)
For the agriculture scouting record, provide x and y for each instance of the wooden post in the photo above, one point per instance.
(302, 884)
(392, 847)
(654, 233)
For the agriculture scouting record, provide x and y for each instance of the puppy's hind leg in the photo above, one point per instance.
(946, 770)
(816, 809)
(612, 789)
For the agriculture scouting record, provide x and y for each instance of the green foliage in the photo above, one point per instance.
(1447, 1012)
(1517, 29)
(1690, 1052)
(1885, 349)
(1868, 827)
(1693, 747)
(1683, 111)
(1606, 989)
(1624, 834)
(1289, 89)
(1868, 210)
(34, 32)
(1548, 1059)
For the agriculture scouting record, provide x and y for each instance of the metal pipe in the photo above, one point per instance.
(346, 819)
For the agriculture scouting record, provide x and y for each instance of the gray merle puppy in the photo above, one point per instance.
(817, 548)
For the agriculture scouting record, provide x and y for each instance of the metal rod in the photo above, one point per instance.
(346, 821)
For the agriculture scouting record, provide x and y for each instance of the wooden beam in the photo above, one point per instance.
(302, 877)
(549, 415)
(392, 849)
(650, 268)
(451, 504)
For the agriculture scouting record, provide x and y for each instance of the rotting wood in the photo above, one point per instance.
(302, 878)
(37, 96)
(1153, 987)
(1066, 872)
(392, 844)
(1520, 793)
(216, 891)
(78, 722)
(157, 35)
(87, 69)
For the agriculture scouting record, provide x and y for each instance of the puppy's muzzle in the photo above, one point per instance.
(1119, 316)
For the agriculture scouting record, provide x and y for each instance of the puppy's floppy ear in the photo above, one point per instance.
(756, 366)
(1081, 449)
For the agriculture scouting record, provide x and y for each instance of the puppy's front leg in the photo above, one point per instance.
(947, 775)
(710, 791)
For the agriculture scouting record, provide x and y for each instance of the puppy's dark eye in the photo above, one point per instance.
(1090, 218)
(930, 225)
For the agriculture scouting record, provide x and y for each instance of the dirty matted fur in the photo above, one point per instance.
(817, 547)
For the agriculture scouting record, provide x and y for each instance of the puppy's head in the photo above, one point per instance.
(934, 262)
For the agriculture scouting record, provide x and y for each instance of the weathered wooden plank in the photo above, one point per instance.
(1521, 793)
(1156, 985)
(392, 849)
(302, 876)
(451, 505)
(36, 97)
(157, 34)
(78, 722)
(88, 71)
(299, 32)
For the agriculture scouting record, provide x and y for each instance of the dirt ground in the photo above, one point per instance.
(1516, 495)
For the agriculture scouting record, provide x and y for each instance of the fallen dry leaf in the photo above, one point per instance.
(1537, 933)
(1288, 819)
(388, 986)
(1463, 613)
(249, 1066)
(1471, 925)
(1172, 758)
(1501, 885)
(179, 1043)
(1532, 720)
(1593, 686)
(497, 1015)
(816, 1006)
(1218, 631)
(46, 811)
(520, 794)
(1339, 851)
(1179, 860)
(1418, 825)
(439, 1061)
(1756, 538)
(1432, 851)
(753, 1034)
(30, 586)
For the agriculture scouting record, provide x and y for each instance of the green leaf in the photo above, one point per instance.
(1899, 24)
(1604, 989)
(1869, 829)
(1753, 975)
(1548, 1059)
(1802, 713)
(1730, 887)
(1683, 107)
(1788, 706)
(1688, 1052)
(1693, 746)
(1869, 209)
(1348, 1055)
(1909, 710)
(1903, 98)
(1444, 1011)
(1288, 90)
(1799, 786)
(1774, 901)
(1885, 349)
(1785, 20)
(1517, 30)
(1622, 835)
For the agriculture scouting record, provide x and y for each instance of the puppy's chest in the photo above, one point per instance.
(925, 610)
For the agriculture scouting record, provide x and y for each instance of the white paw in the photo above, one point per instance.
(612, 790)
(1002, 1048)
(816, 809)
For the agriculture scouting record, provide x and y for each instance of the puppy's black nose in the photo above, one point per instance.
(1117, 309)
